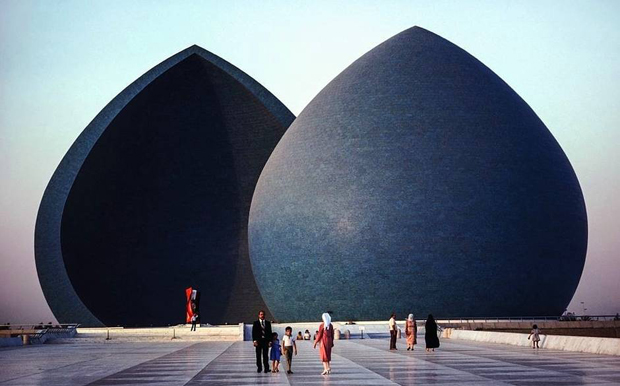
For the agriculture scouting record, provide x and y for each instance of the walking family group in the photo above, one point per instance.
(264, 338)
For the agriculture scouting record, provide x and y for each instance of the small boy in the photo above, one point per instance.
(288, 347)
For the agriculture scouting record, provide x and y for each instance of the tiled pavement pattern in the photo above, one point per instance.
(307, 369)
(459, 362)
(355, 362)
(236, 366)
(76, 364)
(176, 368)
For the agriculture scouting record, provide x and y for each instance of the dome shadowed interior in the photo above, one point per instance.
(154, 197)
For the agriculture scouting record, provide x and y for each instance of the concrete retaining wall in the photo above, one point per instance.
(370, 328)
(10, 342)
(607, 346)
(51, 334)
(527, 324)
(211, 333)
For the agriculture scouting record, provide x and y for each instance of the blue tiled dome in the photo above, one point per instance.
(417, 181)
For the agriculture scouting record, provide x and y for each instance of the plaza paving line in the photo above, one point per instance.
(11, 374)
(355, 362)
(176, 368)
(577, 366)
(591, 368)
(405, 369)
(69, 364)
(513, 365)
(307, 369)
(236, 366)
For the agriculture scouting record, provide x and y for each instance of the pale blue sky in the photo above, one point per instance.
(61, 62)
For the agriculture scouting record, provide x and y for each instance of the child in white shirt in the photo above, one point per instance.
(288, 347)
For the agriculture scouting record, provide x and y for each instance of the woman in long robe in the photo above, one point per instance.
(411, 330)
(432, 340)
(325, 337)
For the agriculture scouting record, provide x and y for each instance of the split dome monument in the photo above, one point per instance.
(415, 181)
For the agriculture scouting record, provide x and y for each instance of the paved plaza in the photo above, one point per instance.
(355, 362)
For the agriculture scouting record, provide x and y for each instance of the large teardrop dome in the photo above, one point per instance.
(417, 181)
(154, 197)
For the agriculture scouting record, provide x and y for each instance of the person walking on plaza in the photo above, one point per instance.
(261, 335)
(289, 347)
(194, 320)
(432, 340)
(393, 331)
(535, 335)
(275, 353)
(411, 332)
(325, 337)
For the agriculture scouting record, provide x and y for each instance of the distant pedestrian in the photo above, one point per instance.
(393, 331)
(307, 335)
(325, 337)
(411, 332)
(289, 347)
(430, 336)
(194, 320)
(299, 336)
(275, 353)
(535, 335)
(261, 335)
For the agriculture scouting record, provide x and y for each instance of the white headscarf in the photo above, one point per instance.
(410, 317)
(326, 319)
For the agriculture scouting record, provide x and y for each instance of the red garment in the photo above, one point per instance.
(326, 338)
(189, 312)
(411, 330)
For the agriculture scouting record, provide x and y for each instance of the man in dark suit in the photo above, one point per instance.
(261, 335)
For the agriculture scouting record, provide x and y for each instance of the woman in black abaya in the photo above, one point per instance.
(432, 341)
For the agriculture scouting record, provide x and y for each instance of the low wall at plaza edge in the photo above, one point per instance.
(366, 329)
(608, 328)
(593, 345)
(11, 342)
(181, 332)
